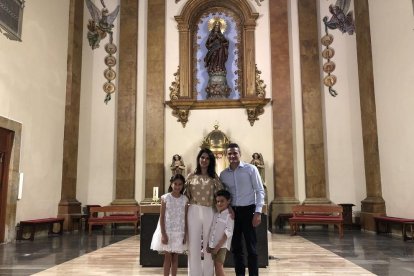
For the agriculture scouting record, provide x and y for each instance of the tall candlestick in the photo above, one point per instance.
(155, 193)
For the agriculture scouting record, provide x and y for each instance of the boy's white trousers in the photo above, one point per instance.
(199, 220)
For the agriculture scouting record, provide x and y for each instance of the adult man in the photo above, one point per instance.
(243, 181)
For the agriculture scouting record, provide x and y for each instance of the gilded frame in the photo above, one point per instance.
(182, 94)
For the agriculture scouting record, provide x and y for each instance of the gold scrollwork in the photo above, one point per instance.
(182, 115)
(175, 86)
(181, 106)
(260, 86)
(253, 113)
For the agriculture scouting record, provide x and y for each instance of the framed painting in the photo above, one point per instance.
(11, 18)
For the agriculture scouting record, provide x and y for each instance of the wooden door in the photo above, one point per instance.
(6, 144)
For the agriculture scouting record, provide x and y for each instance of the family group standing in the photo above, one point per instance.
(221, 211)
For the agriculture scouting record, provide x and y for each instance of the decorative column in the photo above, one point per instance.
(374, 204)
(126, 104)
(312, 103)
(68, 203)
(249, 58)
(283, 170)
(155, 96)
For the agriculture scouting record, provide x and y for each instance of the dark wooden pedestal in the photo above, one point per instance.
(148, 257)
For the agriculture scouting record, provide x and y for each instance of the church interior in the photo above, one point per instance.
(100, 101)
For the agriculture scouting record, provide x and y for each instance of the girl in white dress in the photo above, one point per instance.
(171, 234)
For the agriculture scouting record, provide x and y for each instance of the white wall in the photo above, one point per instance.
(32, 92)
(392, 38)
(96, 154)
(141, 87)
(296, 88)
(344, 159)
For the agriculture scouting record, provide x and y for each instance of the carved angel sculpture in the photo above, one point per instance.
(100, 24)
(257, 160)
(341, 19)
(177, 165)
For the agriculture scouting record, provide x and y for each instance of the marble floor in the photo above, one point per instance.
(316, 251)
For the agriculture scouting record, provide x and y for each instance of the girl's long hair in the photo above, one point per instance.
(175, 177)
(211, 170)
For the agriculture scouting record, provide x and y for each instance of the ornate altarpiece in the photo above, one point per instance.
(248, 90)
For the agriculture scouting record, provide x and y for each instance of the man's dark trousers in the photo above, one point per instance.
(243, 228)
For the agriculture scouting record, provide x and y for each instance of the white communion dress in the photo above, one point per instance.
(174, 225)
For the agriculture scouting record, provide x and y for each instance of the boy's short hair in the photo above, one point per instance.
(224, 193)
(233, 145)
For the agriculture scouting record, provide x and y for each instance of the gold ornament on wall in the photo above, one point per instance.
(175, 86)
(342, 20)
(99, 27)
(216, 141)
(260, 86)
(328, 66)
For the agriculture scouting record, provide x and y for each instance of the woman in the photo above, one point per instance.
(217, 50)
(200, 189)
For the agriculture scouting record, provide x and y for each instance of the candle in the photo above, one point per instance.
(155, 193)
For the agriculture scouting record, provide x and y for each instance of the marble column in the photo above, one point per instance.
(316, 192)
(68, 203)
(374, 204)
(283, 169)
(155, 96)
(126, 104)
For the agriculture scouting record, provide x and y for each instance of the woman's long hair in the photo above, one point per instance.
(211, 170)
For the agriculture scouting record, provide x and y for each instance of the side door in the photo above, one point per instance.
(6, 145)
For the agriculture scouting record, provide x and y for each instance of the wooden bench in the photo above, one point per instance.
(116, 214)
(388, 221)
(32, 224)
(317, 214)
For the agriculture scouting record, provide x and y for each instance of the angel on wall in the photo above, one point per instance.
(257, 160)
(100, 24)
(341, 19)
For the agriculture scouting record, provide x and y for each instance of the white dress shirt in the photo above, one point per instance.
(244, 185)
(222, 224)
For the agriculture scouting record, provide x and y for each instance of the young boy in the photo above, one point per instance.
(221, 231)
